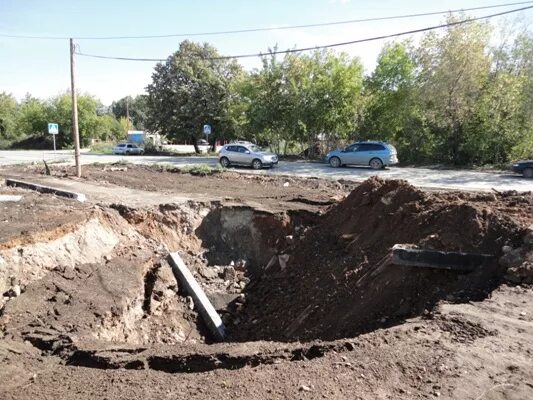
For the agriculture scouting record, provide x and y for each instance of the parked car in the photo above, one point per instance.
(377, 155)
(243, 153)
(127, 148)
(524, 167)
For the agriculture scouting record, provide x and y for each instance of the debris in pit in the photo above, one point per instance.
(519, 261)
(206, 309)
(334, 284)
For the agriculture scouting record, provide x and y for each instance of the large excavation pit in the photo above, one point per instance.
(289, 286)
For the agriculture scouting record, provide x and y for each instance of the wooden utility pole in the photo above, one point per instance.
(75, 132)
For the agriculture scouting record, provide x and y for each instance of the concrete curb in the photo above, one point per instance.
(205, 308)
(46, 189)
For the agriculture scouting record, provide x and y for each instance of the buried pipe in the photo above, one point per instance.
(205, 308)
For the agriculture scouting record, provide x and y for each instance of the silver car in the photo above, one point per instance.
(127, 148)
(377, 155)
(245, 153)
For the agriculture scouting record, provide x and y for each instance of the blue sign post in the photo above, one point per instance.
(207, 131)
(53, 129)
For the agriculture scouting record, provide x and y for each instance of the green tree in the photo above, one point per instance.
(330, 95)
(135, 107)
(303, 97)
(33, 117)
(88, 120)
(8, 118)
(393, 111)
(107, 128)
(454, 69)
(190, 89)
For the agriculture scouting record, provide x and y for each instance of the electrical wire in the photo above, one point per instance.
(250, 30)
(393, 35)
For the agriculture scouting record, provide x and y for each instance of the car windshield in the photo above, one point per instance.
(255, 148)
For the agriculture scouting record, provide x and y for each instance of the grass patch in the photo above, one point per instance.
(202, 169)
(196, 170)
(102, 148)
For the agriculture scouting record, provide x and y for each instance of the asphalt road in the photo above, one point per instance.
(421, 177)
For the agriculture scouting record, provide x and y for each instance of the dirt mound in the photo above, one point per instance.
(338, 282)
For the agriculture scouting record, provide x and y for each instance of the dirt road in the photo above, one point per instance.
(298, 270)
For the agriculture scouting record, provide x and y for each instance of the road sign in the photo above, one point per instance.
(207, 129)
(53, 129)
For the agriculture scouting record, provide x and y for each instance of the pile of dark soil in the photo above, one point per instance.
(338, 281)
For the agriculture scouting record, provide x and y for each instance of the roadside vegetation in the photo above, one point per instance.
(197, 170)
(102, 148)
(460, 96)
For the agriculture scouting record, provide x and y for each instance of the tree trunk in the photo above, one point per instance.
(456, 132)
(195, 144)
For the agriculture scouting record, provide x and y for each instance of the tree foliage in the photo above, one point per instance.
(27, 121)
(190, 89)
(300, 98)
(456, 97)
(135, 107)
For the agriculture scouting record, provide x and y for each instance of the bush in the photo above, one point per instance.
(35, 143)
(202, 169)
(5, 144)
(102, 148)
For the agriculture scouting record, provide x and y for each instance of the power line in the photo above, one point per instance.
(250, 30)
(393, 35)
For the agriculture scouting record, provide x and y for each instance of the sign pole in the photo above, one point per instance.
(53, 129)
(75, 132)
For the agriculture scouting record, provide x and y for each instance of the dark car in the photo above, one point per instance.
(524, 167)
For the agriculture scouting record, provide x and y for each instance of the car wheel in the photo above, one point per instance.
(335, 162)
(528, 173)
(257, 164)
(224, 162)
(376, 163)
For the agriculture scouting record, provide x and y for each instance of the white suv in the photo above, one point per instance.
(127, 148)
(243, 153)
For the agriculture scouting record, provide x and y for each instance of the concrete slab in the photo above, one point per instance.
(403, 254)
(205, 308)
(45, 189)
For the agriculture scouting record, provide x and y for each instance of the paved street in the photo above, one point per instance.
(421, 177)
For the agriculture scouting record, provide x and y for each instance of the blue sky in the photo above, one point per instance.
(41, 67)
